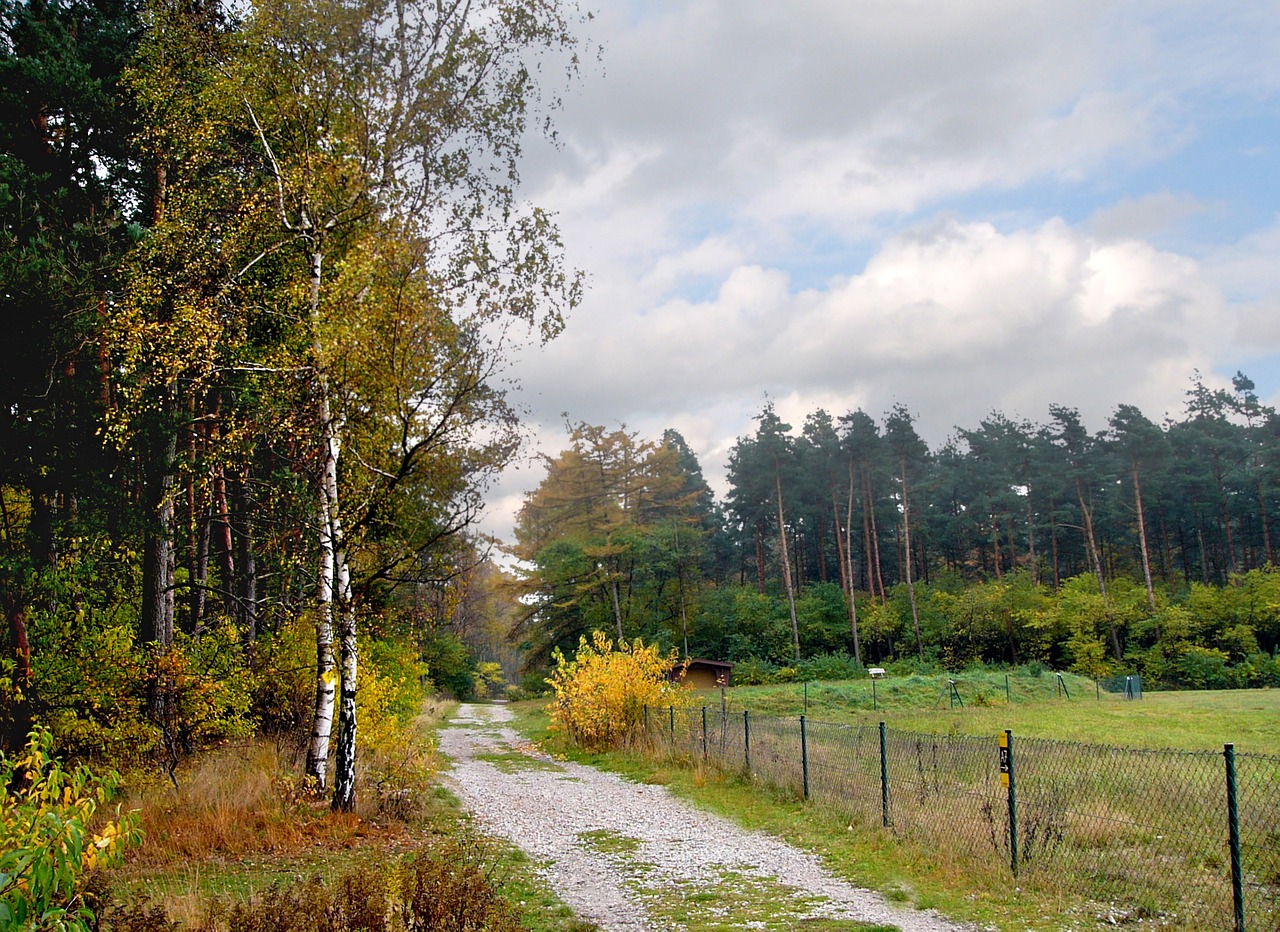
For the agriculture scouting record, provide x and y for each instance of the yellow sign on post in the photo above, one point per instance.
(1004, 759)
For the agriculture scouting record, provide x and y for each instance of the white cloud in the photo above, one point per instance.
(909, 144)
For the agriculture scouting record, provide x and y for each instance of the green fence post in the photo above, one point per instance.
(875, 705)
(672, 709)
(646, 720)
(804, 757)
(1008, 697)
(746, 740)
(704, 732)
(1006, 768)
(1233, 829)
(884, 779)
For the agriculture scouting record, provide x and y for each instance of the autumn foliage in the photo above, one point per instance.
(47, 848)
(602, 692)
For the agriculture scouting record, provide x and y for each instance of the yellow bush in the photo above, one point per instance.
(602, 692)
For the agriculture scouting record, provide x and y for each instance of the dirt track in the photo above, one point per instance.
(630, 856)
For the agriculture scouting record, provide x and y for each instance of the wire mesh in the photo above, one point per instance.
(1133, 835)
(1258, 782)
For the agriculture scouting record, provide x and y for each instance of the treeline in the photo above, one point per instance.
(257, 265)
(1142, 546)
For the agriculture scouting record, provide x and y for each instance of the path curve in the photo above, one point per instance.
(633, 858)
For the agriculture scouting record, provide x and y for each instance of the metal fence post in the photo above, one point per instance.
(884, 779)
(1013, 803)
(646, 720)
(804, 757)
(704, 732)
(1233, 829)
(746, 740)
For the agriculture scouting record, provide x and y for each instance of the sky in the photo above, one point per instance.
(960, 207)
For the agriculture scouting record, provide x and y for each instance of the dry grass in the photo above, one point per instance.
(234, 802)
(242, 819)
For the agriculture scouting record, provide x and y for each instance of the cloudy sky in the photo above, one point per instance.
(959, 206)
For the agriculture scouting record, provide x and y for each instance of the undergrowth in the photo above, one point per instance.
(241, 843)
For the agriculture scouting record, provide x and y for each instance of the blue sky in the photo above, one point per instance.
(961, 207)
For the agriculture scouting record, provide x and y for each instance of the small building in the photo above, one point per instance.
(702, 674)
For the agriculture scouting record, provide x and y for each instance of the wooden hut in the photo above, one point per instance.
(703, 674)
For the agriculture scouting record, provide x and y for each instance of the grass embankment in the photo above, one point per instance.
(240, 828)
(867, 855)
(1036, 708)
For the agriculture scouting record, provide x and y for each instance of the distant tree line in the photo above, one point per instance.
(1135, 547)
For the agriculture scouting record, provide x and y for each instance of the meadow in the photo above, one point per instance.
(1034, 707)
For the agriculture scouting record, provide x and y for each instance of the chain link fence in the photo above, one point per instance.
(1171, 839)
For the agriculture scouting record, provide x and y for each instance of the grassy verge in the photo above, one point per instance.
(239, 828)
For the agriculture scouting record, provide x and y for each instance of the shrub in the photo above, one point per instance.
(601, 693)
(1256, 671)
(1201, 668)
(834, 666)
(47, 851)
(754, 672)
(533, 684)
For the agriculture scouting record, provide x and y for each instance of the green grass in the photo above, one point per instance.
(722, 901)
(1248, 718)
(514, 761)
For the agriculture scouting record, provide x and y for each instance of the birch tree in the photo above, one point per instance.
(410, 113)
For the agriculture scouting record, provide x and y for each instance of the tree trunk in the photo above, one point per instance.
(873, 536)
(158, 550)
(1091, 551)
(1031, 541)
(995, 547)
(344, 770)
(760, 561)
(911, 586)
(226, 545)
(614, 598)
(1142, 537)
(1230, 563)
(786, 570)
(19, 716)
(247, 589)
(327, 506)
(1262, 513)
(846, 565)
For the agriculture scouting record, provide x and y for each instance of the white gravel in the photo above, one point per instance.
(547, 807)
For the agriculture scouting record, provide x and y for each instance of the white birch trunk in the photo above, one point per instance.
(344, 775)
(322, 718)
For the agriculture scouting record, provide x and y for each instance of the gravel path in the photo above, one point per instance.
(630, 856)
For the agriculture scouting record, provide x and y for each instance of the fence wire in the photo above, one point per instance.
(1126, 835)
